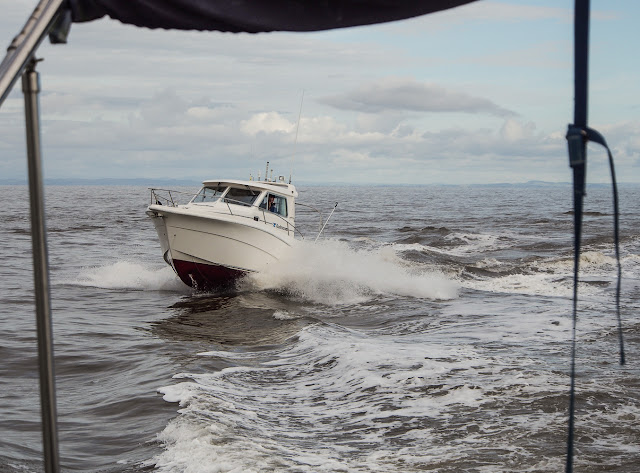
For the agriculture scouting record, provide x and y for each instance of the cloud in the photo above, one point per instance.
(514, 130)
(411, 95)
(171, 133)
(267, 122)
(624, 140)
(442, 98)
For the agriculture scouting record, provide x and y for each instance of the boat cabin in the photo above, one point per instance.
(275, 197)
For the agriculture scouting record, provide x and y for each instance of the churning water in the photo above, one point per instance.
(427, 330)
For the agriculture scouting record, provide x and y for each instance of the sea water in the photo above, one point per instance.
(428, 329)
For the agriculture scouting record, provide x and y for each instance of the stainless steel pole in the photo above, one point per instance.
(25, 43)
(327, 221)
(31, 88)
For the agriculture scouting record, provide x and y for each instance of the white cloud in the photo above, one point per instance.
(513, 130)
(624, 140)
(320, 130)
(266, 122)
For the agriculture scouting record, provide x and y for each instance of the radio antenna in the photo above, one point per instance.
(295, 143)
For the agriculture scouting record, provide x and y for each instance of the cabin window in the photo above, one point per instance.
(209, 194)
(241, 196)
(275, 203)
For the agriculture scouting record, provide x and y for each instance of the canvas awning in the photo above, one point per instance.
(255, 16)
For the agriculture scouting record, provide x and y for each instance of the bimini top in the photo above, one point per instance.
(276, 187)
(255, 15)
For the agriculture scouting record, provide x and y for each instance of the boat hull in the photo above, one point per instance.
(206, 277)
(213, 252)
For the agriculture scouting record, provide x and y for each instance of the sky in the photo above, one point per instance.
(478, 94)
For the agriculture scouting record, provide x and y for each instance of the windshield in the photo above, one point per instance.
(241, 196)
(208, 194)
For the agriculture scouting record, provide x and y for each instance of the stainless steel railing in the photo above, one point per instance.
(166, 197)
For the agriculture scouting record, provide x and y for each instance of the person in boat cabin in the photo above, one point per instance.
(275, 204)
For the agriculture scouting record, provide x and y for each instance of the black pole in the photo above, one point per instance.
(581, 65)
(31, 88)
(577, 142)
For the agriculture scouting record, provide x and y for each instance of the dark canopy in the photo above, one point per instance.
(255, 16)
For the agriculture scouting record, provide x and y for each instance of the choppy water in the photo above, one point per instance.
(429, 331)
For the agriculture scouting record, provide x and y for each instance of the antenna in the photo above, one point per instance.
(296, 140)
(266, 172)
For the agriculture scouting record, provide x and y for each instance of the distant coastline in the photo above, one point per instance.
(150, 182)
(160, 182)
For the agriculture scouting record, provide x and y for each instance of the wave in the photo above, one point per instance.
(532, 268)
(332, 272)
(130, 275)
(334, 398)
(77, 228)
(442, 239)
(549, 276)
(589, 214)
(455, 245)
(429, 230)
(425, 235)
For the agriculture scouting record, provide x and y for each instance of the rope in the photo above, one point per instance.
(577, 138)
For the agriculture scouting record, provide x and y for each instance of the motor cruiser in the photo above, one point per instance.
(228, 229)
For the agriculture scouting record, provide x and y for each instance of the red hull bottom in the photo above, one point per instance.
(206, 277)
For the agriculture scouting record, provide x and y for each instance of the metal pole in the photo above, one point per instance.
(31, 88)
(578, 162)
(26, 42)
(325, 223)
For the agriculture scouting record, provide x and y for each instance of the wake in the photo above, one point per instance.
(331, 272)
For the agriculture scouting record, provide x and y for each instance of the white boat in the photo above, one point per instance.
(228, 229)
